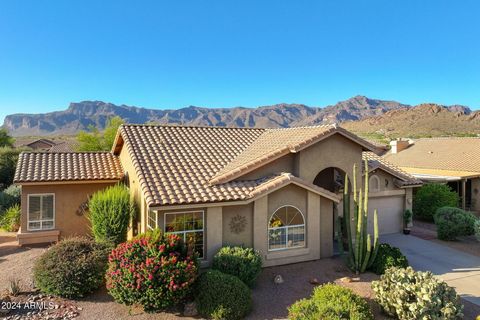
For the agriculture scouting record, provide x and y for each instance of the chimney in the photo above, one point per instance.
(399, 145)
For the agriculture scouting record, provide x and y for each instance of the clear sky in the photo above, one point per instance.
(171, 54)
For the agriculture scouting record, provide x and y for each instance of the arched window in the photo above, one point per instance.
(286, 229)
(374, 183)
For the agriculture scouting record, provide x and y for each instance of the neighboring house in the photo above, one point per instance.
(47, 145)
(276, 190)
(453, 160)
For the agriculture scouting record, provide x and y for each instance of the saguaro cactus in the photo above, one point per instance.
(360, 253)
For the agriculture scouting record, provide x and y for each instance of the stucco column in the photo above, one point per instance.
(260, 225)
(313, 224)
(464, 193)
(214, 232)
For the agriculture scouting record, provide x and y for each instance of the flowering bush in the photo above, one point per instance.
(153, 270)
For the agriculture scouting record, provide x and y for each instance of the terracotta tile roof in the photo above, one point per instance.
(377, 162)
(275, 143)
(175, 163)
(450, 154)
(69, 166)
(65, 146)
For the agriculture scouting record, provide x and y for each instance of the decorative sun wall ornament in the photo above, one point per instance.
(83, 207)
(238, 224)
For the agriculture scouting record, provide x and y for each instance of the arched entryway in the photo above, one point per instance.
(333, 180)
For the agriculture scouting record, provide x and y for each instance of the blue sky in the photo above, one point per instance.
(228, 53)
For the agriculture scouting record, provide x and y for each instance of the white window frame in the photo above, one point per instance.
(304, 225)
(155, 212)
(40, 221)
(377, 179)
(189, 231)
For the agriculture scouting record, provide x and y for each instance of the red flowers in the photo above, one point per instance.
(155, 271)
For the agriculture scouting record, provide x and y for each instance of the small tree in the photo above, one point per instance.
(5, 139)
(361, 255)
(95, 140)
(431, 197)
(8, 163)
(110, 213)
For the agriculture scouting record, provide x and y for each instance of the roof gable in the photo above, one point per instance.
(275, 143)
(376, 162)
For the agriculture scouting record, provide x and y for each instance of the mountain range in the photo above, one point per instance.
(354, 113)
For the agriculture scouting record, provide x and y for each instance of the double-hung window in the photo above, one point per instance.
(189, 226)
(41, 212)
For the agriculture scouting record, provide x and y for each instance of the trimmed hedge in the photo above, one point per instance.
(71, 268)
(331, 302)
(222, 296)
(454, 222)
(387, 257)
(407, 294)
(244, 263)
(154, 270)
(110, 213)
(430, 197)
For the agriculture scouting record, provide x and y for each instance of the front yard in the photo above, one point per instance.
(270, 300)
(428, 231)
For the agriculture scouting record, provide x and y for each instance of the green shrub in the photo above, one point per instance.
(432, 196)
(10, 197)
(387, 257)
(10, 221)
(476, 227)
(331, 302)
(153, 270)
(8, 164)
(244, 263)
(222, 296)
(110, 213)
(453, 222)
(71, 268)
(407, 294)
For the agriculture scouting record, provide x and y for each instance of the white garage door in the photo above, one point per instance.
(390, 212)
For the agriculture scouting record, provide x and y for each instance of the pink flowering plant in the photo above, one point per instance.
(154, 270)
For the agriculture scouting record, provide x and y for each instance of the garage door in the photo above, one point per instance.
(390, 211)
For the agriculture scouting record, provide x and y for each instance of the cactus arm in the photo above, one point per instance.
(347, 219)
(359, 244)
(339, 236)
(375, 237)
(367, 254)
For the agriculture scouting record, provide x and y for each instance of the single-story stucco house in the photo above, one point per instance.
(451, 160)
(276, 190)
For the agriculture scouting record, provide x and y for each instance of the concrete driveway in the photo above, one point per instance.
(458, 269)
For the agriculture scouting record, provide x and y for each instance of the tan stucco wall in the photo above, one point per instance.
(386, 180)
(243, 238)
(309, 204)
(326, 228)
(335, 151)
(283, 164)
(68, 198)
(135, 192)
